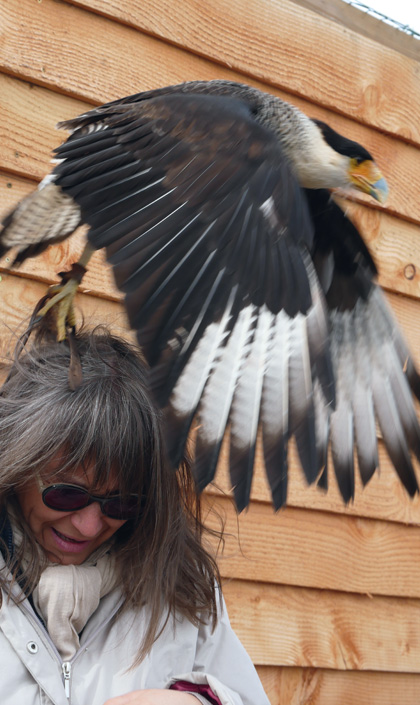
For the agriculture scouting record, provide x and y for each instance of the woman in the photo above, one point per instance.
(108, 595)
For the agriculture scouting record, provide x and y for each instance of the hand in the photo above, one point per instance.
(154, 696)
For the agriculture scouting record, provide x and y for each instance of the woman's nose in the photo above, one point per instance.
(88, 521)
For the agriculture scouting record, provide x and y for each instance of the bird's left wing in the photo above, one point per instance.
(209, 237)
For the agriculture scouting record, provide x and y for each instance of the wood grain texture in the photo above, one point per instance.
(52, 43)
(315, 686)
(295, 53)
(367, 25)
(394, 244)
(280, 625)
(318, 549)
(28, 116)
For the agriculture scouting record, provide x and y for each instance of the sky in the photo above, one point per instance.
(404, 11)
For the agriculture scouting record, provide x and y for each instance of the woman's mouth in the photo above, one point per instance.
(68, 544)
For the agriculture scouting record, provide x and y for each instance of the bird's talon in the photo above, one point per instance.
(58, 305)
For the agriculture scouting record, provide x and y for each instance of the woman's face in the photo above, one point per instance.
(68, 537)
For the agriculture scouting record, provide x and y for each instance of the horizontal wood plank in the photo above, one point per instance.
(312, 628)
(316, 686)
(366, 75)
(280, 625)
(28, 115)
(53, 44)
(318, 549)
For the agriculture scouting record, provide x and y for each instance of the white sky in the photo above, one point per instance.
(404, 11)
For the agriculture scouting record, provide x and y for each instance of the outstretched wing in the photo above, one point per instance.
(209, 236)
(373, 369)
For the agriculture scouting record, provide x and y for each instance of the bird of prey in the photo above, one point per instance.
(252, 294)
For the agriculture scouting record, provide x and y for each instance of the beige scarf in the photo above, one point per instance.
(67, 595)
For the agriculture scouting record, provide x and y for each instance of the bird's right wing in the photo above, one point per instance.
(209, 236)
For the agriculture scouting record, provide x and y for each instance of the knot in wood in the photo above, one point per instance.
(410, 271)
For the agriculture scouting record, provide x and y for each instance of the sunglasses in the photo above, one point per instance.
(70, 498)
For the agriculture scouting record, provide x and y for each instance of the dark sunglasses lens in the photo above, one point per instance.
(65, 499)
(121, 508)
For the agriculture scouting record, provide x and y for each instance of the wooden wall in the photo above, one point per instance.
(326, 598)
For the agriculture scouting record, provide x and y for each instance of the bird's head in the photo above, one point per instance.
(358, 167)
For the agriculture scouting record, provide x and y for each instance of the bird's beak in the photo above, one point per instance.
(365, 176)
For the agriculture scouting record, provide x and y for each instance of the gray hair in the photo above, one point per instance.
(109, 418)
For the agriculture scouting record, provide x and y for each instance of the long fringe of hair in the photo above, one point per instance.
(110, 420)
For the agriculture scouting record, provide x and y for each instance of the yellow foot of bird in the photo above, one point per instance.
(58, 302)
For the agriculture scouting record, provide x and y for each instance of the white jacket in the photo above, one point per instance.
(32, 672)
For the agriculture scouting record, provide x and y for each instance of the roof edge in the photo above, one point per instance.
(359, 21)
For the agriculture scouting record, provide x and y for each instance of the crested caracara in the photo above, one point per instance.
(252, 294)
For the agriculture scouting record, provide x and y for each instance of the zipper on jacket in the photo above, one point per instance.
(66, 668)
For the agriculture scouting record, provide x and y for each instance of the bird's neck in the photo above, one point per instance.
(315, 164)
